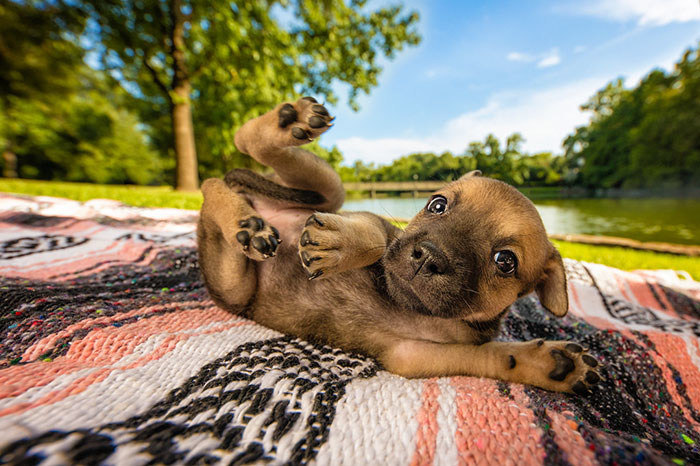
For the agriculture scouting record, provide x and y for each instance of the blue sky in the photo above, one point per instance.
(507, 66)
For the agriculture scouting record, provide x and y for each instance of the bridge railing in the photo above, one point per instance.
(415, 187)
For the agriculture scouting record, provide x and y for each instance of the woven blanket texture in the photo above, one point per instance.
(111, 352)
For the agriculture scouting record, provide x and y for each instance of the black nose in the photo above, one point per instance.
(428, 259)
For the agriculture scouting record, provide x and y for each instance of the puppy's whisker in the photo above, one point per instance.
(396, 221)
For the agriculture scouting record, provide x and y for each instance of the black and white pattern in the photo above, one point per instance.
(271, 401)
(27, 245)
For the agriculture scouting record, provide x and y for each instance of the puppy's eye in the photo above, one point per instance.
(506, 262)
(437, 205)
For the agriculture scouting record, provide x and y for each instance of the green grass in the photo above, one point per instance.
(140, 196)
(163, 196)
(629, 259)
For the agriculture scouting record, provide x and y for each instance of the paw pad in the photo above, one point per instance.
(287, 115)
(302, 121)
(263, 238)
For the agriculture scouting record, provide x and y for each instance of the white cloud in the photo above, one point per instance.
(645, 12)
(543, 117)
(544, 60)
(521, 57)
(551, 59)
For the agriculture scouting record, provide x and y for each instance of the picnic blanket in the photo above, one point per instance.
(111, 352)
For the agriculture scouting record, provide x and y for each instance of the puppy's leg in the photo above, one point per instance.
(334, 243)
(271, 139)
(231, 237)
(553, 365)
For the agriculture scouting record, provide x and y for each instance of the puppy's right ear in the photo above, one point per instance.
(551, 289)
(470, 174)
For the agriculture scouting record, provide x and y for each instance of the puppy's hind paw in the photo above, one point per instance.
(258, 239)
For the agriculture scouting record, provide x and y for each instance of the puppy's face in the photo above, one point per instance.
(474, 249)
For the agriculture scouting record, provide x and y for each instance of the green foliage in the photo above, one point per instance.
(646, 137)
(79, 137)
(507, 163)
(59, 119)
(241, 58)
(38, 51)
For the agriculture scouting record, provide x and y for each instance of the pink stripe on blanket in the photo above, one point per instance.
(566, 433)
(127, 253)
(47, 343)
(644, 296)
(569, 440)
(673, 349)
(662, 364)
(426, 434)
(489, 428)
(83, 383)
(147, 259)
(665, 302)
(107, 346)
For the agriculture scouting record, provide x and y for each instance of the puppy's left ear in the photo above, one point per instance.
(551, 289)
(470, 174)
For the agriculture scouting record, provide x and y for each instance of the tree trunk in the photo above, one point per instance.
(187, 178)
(9, 169)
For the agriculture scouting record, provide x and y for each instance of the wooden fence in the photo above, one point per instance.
(395, 186)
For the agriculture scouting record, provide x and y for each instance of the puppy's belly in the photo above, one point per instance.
(289, 222)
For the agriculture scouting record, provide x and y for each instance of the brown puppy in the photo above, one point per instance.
(425, 301)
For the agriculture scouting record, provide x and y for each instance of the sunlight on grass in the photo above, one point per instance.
(140, 196)
(629, 259)
(163, 196)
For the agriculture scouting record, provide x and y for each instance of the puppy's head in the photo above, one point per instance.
(477, 246)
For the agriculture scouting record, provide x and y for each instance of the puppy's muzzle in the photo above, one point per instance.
(427, 259)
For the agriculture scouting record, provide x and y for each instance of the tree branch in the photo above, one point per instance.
(156, 79)
(207, 58)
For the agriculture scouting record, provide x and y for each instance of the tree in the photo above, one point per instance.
(38, 57)
(82, 136)
(645, 137)
(229, 61)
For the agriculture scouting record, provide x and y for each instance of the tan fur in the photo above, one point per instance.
(424, 301)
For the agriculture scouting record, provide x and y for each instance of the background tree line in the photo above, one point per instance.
(506, 162)
(170, 82)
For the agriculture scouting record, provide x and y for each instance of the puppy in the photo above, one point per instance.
(425, 301)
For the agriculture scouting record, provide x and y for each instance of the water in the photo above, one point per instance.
(665, 220)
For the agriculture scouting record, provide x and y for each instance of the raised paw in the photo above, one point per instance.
(556, 365)
(302, 121)
(258, 239)
(288, 124)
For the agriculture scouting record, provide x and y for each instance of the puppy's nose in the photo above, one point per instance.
(428, 259)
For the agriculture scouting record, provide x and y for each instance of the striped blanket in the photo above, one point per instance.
(111, 352)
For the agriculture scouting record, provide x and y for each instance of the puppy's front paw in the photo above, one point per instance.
(258, 239)
(321, 245)
(556, 365)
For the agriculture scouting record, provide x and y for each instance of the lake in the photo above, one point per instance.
(665, 220)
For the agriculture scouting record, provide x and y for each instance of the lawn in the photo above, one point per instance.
(140, 196)
(162, 196)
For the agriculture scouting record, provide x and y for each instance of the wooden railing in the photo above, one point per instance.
(395, 186)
